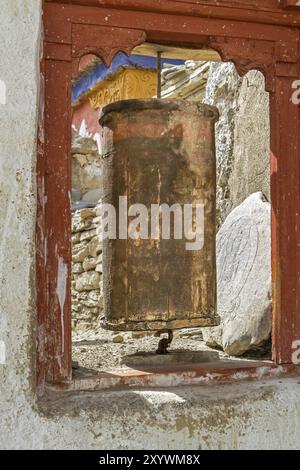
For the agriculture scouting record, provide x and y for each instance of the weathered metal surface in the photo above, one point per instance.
(159, 152)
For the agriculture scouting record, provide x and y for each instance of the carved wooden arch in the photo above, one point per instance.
(264, 38)
(114, 40)
(246, 54)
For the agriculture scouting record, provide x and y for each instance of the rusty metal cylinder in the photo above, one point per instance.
(159, 152)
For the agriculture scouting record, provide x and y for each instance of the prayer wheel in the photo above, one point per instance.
(159, 182)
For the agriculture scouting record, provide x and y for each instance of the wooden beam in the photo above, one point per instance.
(181, 53)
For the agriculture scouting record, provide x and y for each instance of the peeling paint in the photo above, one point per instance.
(61, 290)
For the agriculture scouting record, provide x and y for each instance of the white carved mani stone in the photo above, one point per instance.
(244, 279)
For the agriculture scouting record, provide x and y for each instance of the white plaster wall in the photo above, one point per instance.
(249, 415)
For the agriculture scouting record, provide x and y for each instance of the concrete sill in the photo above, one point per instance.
(162, 377)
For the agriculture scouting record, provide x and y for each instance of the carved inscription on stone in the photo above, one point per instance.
(237, 250)
(243, 278)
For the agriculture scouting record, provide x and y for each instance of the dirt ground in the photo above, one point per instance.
(100, 349)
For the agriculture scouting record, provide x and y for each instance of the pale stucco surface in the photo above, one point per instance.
(248, 415)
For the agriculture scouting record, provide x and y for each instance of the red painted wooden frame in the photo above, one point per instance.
(253, 34)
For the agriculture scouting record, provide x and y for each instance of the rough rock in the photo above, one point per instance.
(244, 279)
(88, 235)
(76, 194)
(90, 264)
(242, 135)
(87, 213)
(88, 281)
(87, 298)
(76, 238)
(83, 145)
(99, 268)
(86, 177)
(221, 91)
(118, 339)
(92, 195)
(77, 268)
(86, 166)
(79, 225)
(80, 252)
(95, 247)
(251, 149)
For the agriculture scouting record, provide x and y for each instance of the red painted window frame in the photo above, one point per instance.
(254, 35)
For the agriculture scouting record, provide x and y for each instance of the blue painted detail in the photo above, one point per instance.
(100, 72)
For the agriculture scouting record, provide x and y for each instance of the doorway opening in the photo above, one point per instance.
(242, 200)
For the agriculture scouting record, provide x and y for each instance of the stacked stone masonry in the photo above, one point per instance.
(87, 299)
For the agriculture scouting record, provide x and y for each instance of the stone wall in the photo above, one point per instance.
(86, 169)
(87, 299)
